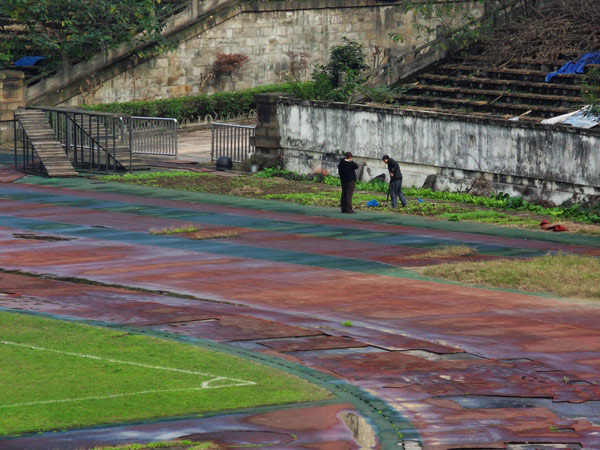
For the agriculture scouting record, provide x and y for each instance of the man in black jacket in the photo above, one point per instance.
(347, 170)
(395, 181)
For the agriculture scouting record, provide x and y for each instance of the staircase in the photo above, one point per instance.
(51, 155)
(468, 85)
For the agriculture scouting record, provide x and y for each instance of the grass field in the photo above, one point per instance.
(59, 375)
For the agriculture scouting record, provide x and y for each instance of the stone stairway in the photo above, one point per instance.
(43, 140)
(468, 85)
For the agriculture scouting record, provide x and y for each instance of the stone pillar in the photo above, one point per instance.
(12, 97)
(266, 136)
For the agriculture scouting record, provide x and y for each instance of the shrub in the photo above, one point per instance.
(218, 106)
(229, 65)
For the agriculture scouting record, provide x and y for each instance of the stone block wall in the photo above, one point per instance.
(264, 31)
(553, 162)
(12, 96)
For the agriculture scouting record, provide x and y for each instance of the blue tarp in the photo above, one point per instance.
(28, 61)
(576, 67)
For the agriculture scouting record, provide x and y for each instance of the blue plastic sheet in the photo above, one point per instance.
(28, 61)
(576, 67)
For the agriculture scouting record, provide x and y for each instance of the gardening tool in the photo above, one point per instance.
(388, 196)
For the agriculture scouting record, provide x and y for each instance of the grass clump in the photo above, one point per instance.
(175, 445)
(562, 275)
(175, 229)
(347, 323)
(447, 251)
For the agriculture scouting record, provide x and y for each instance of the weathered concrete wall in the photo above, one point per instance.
(11, 98)
(264, 31)
(535, 160)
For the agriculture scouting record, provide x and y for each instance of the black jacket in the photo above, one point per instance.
(347, 170)
(394, 168)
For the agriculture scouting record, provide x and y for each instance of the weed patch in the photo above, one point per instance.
(562, 275)
(447, 251)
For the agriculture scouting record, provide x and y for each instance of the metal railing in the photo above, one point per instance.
(151, 135)
(29, 161)
(235, 141)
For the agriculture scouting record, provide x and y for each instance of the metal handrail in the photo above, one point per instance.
(29, 158)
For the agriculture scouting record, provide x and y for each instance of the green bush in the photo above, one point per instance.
(219, 106)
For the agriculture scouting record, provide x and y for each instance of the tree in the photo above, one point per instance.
(65, 31)
(345, 61)
(229, 65)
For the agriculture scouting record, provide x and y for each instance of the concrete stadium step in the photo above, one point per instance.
(570, 90)
(507, 74)
(50, 152)
(497, 108)
(507, 96)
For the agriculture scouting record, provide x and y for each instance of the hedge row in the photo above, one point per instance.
(219, 106)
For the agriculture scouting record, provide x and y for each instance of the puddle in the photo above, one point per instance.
(37, 237)
(361, 431)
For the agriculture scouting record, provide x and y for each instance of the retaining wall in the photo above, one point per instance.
(553, 162)
(264, 31)
(11, 98)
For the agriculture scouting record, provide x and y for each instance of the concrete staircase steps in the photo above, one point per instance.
(516, 63)
(470, 85)
(466, 106)
(467, 81)
(507, 96)
(506, 73)
(50, 152)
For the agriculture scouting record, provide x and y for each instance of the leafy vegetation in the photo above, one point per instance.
(591, 93)
(562, 275)
(499, 201)
(320, 189)
(337, 80)
(65, 31)
(57, 375)
(219, 106)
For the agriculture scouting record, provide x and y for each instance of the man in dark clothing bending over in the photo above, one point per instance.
(395, 181)
(347, 170)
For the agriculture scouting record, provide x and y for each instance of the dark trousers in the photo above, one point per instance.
(346, 198)
(396, 191)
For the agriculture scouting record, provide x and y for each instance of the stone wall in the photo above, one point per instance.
(539, 161)
(264, 31)
(11, 98)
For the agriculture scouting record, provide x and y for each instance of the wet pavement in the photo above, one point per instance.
(449, 366)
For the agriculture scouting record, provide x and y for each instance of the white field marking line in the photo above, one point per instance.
(204, 385)
(67, 400)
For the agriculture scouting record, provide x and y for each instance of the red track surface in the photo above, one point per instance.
(468, 367)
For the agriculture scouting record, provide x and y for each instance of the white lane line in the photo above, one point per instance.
(131, 363)
(67, 400)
